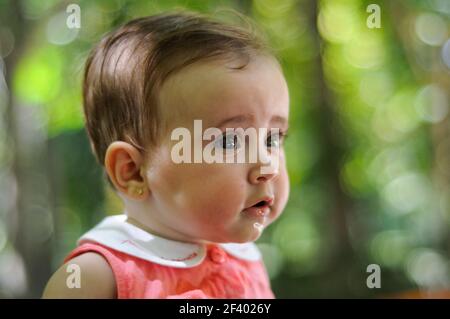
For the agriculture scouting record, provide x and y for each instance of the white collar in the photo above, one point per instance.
(114, 232)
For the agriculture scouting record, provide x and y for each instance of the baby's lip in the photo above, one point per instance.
(263, 201)
(257, 211)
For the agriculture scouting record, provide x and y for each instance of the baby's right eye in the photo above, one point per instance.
(228, 141)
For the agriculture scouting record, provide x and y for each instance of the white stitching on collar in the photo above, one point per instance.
(114, 232)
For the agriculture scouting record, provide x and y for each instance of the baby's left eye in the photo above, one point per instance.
(274, 140)
(228, 141)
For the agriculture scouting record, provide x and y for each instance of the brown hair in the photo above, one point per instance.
(125, 71)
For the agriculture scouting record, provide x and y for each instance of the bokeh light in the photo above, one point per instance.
(428, 269)
(57, 31)
(431, 29)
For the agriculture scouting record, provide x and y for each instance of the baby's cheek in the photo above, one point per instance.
(220, 193)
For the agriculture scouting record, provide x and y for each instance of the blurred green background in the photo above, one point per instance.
(368, 151)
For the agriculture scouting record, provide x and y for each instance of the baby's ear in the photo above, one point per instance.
(123, 164)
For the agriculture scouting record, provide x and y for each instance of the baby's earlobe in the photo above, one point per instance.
(138, 191)
(135, 190)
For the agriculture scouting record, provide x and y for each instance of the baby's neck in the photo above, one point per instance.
(139, 214)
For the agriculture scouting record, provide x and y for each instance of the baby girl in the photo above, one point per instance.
(188, 227)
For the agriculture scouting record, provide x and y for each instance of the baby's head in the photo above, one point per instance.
(156, 75)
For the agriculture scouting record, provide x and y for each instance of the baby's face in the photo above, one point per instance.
(209, 201)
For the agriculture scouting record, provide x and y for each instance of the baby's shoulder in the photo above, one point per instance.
(87, 275)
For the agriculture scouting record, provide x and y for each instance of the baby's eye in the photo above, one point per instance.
(275, 140)
(228, 141)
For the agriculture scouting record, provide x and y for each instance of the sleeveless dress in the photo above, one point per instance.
(148, 266)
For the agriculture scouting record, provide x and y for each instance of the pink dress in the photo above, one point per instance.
(148, 266)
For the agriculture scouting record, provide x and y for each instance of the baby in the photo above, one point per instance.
(188, 226)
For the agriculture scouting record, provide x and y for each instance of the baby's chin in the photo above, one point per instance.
(248, 234)
(243, 228)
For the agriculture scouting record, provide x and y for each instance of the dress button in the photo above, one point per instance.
(217, 255)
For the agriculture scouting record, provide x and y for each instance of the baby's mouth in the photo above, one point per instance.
(260, 209)
(260, 204)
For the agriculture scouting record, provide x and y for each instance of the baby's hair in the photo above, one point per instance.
(127, 68)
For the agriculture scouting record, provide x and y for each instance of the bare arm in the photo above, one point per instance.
(96, 279)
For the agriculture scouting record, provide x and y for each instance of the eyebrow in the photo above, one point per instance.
(242, 118)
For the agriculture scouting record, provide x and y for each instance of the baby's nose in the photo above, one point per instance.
(257, 175)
